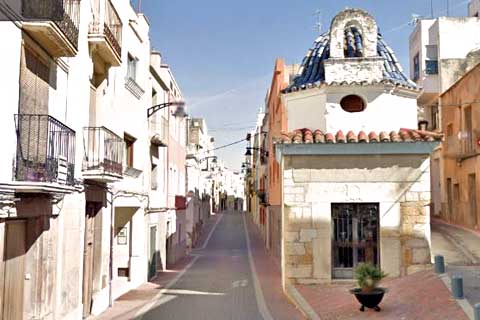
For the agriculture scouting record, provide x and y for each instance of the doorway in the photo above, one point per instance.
(91, 210)
(152, 257)
(472, 197)
(355, 237)
(13, 265)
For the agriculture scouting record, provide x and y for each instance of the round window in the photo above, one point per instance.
(352, 103)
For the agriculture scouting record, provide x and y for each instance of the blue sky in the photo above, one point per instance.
(222, 52)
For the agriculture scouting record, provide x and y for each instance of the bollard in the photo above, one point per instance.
(439, 264)
(477, 311)
(457, 287)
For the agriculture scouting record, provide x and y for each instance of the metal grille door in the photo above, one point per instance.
(355, 237)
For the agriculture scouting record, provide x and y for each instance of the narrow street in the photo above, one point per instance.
(219, 285)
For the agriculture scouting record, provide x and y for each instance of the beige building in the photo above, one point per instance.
(438, 58)
(362, 195)
(461, 151)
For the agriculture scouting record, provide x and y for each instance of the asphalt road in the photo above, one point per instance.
(219, 284)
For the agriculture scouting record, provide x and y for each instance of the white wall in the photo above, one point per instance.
(320, 109)
(474, 8)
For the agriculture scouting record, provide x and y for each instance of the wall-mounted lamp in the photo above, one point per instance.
(179, 112)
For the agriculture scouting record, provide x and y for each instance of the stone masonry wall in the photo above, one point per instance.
(404, 213)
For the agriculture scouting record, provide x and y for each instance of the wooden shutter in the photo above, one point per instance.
(34, 84)
(34, 87)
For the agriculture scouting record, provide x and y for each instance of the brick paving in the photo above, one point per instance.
(419, 296)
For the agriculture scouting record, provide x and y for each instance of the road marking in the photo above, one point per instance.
(262, 307)
(211, 232)
(158, 297)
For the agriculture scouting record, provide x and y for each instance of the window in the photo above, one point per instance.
(431, 63)
(431, 66)
(416, 67)
(352, 103)
(129, 142)
(435, 116)
(468, 129)
(154, 167)
(449, 199)
(132, 67)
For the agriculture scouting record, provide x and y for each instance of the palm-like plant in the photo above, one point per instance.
(368, 276)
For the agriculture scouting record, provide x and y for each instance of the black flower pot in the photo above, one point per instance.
(369, 299)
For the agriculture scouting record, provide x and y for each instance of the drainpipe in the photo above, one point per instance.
(110, 266)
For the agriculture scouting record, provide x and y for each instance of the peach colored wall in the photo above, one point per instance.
(277, 122)
(463, 94)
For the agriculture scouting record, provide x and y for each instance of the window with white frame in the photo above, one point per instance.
(132, 63)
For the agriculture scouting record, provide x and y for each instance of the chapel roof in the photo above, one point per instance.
(312, 70)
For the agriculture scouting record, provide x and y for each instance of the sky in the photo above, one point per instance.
(222, 52)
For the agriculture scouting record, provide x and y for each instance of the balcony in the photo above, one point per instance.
(103, 155)
(53, 24)
(45, 153)
(462, 146)
(105, 33)
(158, 131)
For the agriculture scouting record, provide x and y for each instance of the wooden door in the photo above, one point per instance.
(152, 257)
(14, 262)
(355, 236)
(472, 197)
(91, 209)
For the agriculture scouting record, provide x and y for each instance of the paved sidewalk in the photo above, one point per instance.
(126, 306)
(270, 277)
(421, 296)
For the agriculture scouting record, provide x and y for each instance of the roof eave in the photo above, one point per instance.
(348, 149)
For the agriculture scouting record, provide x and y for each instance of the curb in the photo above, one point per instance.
(292, 293)
(463, 303)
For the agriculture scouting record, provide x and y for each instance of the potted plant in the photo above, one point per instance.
(368, 294)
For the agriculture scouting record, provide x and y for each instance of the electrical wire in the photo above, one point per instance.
(225, 146)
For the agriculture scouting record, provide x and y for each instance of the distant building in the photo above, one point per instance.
(442, 50)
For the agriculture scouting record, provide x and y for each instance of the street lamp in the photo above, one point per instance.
(214, 160)
(180, 112)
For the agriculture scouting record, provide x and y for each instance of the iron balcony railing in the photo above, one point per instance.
(64, 13)
(108, 23)
(461, 146)
(45, 150)
(103, 151)
(159, 130)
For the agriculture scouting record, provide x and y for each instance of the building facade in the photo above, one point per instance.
(438, 58)
(90, 192)
(461, 151)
